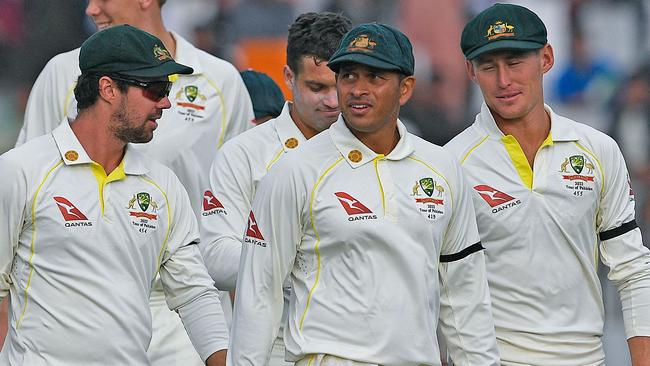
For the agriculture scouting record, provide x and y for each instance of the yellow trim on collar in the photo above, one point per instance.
(518, 157)
(103, 179)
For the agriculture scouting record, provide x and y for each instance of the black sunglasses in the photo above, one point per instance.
(153, 90)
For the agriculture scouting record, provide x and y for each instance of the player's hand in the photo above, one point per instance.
(217, 359)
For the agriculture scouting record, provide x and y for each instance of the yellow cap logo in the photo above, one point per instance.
(500, 29)
(161, 53)
(362, 43)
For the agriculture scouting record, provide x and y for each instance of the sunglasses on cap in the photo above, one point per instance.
(152, 90)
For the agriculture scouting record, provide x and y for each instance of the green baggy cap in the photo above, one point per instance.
(128, 51)
(376, 45)
(266, 95)
(502, 27)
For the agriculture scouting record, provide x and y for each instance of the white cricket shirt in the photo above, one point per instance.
(543, 231)
(356, 231)
(79, 252)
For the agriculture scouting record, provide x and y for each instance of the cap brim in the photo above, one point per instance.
(168, 68)
(504, 45)
(361, 58)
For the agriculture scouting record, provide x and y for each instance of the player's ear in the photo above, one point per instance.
(471, 73)
(146, 4)
(107, 88)
(406, 89)
(289, 76)
(547, 58)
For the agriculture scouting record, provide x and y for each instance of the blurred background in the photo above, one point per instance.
(601, 75)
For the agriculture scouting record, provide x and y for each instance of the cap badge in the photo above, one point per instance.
(291, 143)
(500, 29)
(355, 156)
(71, 155)
(161, 53)
(362, 43)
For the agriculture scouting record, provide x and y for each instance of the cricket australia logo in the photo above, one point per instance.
(356, 210)
(430, 202)
(191, 102)
(211, 205)
(583, 179)
(500, 29)
(143, 215)
(362, 43)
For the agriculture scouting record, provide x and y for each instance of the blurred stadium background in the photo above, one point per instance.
(601, 76)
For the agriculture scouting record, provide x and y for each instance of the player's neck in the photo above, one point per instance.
(99, 143)
(530, 130)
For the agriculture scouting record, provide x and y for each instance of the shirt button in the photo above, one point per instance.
(355, 156)
(291, 143)
(71, 155)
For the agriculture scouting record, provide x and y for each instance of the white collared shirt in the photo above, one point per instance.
(356, 230)
(79, 252)
(543, 233)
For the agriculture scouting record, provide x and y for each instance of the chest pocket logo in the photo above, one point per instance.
(143, 216)
(429, 198)
(583, 179)
(191, 103)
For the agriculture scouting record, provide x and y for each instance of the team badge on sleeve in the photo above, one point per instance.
(211, 205)
(253, 233)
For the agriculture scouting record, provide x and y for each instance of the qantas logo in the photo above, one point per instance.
(355, 209)
(212, 204)
(71, 213)
(253, 233)
(495, 198)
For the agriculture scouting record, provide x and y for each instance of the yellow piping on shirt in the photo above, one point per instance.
(68, 97)
(31, 257)
(602, 191)
(311, 360)
(473, 148)
(381, 187)
(223, 111)
(169, 223)
(103, 179)
(313, 226)
(275, 159)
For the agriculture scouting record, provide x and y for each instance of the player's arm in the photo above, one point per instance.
(46, 104)
(189, 290)
(274, 232)
(12, 206)
(622, 250)
(222, 229)
(465, 309)
(238, 106)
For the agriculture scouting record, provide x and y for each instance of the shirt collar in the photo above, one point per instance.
(187, 54)
(358, 154)
(73, 153)
(562, 129)
(288, 133)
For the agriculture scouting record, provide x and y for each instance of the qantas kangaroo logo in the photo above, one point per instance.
(351, 205)
(253, 230)
(210, 202)
(69, 211)
(492, 196)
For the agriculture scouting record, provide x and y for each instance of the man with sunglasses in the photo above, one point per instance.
(89, 222)
(208, 107)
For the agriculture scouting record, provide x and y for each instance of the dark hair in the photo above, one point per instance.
(315, 34)
(161, 2)
(87, 90)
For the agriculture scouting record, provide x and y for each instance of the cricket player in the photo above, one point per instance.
(209, 106)
(266, 96)
(88, 222)
(238, 168)
(361, 215)
(552, 196)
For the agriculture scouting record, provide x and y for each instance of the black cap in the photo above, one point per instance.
(376, 45)
(502, 27)
(129, 51)
(266, 95)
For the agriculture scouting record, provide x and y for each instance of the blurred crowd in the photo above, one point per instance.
(601, 76)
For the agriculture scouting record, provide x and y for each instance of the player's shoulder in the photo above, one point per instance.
(433, 155)
(32, 156)
(464, 142)
(65, 61)
(209, 64)
(254, 141)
